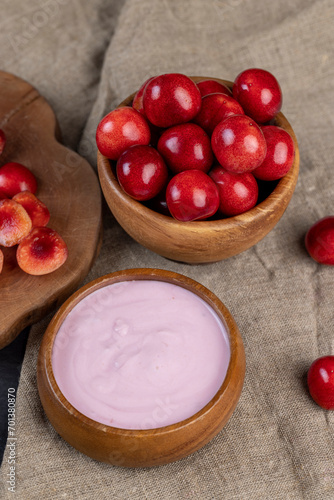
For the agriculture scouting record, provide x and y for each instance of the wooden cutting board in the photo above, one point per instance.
(67, 185)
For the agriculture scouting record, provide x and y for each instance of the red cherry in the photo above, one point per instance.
(280, 154)
(320, 380)
(120, 129)
(2, 141)
(259, 94)
(15, 178)
(171, 99)
(319, 241)
(137, 102)
(207, 87)
(239, 144)
(192, 195)
(215, 108)
(237, 192)
(186, 147)
(141, 172)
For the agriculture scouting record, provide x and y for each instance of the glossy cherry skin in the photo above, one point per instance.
(171, 99)
(141, 172)
(15, 177)
(120, 129)
(320, 381)
(2, 140)
(319, 241)
(186, 147)
(239, 144)
(137, 102)
(259, 93)
(237, 192)
(214, 109)
(192, 195)
(207, 87)
(280, 154)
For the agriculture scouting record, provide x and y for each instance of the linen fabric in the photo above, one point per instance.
(86, 57)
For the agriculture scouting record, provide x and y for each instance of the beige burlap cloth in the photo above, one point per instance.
(85, 57)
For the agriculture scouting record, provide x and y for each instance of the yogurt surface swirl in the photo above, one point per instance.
(140, 354)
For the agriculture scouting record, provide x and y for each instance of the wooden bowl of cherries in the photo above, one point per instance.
(199, 169)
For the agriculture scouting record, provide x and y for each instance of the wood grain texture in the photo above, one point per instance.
(70, 189)
(199, 241)
(141, 448)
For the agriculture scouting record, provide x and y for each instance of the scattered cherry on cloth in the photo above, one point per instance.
(320, 381)
(319, 241)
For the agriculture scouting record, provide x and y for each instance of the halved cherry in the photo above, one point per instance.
(41, 252)
(15, 223)
(36, 209)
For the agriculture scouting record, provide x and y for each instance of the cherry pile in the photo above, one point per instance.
(23, 220)
(194, 151)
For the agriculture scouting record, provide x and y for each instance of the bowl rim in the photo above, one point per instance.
(270, 203)
(235, 341)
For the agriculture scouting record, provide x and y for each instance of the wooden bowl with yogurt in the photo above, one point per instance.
(204, 241)
(140, 368)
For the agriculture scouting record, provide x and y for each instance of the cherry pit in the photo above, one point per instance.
(196, 151)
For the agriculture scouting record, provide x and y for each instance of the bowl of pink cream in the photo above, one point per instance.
(140, 367)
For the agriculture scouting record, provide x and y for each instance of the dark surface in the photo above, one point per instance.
(11, 358)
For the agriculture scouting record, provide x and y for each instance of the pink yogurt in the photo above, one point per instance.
(140, 354)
